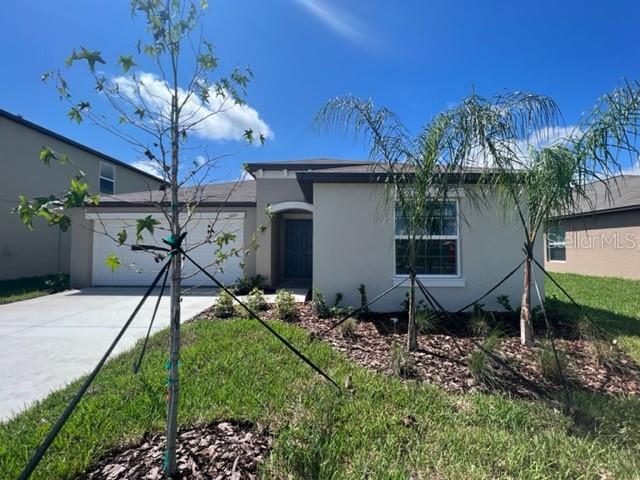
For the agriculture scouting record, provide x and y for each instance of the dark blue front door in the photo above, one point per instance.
(298, 239)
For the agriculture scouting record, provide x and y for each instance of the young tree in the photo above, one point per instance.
(419, 173)
(536, 177)
(161, 115)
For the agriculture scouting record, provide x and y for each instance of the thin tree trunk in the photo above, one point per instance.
(526, 330)
(412, 334)
(176, 264)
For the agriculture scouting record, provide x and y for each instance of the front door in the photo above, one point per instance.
(298, 239)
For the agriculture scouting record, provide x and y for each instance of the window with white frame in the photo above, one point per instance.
(556, 244)
(107, 178)
(437, 245)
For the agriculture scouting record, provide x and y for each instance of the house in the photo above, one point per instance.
(327, 227)
(22, 252)
(603, 237)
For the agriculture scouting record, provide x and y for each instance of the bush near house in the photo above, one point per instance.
(285, 306)
(32, 287)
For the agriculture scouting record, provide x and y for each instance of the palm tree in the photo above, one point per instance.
(417, 171)
(510, 135)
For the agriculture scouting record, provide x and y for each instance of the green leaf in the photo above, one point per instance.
(248, 135)
(113, 262)
(46, 155)
(127, 62)
(140, 112)
(25, 210)
(207, 61)
(122, 236)
(75, 115)
(91, 57)
(146, 223)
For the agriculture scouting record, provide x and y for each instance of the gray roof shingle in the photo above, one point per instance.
(232, 194)
(617, 193)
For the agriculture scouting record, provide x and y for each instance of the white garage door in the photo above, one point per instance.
(140, 268)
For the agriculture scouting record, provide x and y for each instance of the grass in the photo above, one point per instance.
(614, 303)
(31, 287)
(235, 369)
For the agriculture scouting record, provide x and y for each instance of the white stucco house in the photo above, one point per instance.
(327, 228)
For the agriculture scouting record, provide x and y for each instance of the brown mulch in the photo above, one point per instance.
(443, 358)
(228, 450)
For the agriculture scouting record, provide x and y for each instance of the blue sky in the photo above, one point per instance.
(416, 57)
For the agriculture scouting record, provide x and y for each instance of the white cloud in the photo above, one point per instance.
(634, 169)
(337, 20)
(538, 139)
(148, 166)
(218, 119)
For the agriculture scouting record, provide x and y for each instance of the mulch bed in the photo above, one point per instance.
(443, 358)
(222, 450)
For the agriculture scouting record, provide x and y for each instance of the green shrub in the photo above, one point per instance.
(426, 321)
(479, 321)
(338, 300)
(402, 363)
(224, 307)
(549, 366)
(603, 348)
(480, 360)
(504, 302)
(286, 306)
(256, 301)
(57, 282)
(319, 304)
(362, 290)
(246, 284)
(348, 329)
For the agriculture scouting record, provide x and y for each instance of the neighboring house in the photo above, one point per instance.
(603, 238)
(47, 250)
(327, 227)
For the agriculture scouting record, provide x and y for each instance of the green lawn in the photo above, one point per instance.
(31, 287)
(612, 302)
(235, 369)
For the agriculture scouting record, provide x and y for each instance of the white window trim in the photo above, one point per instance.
(100, 177)
(432, 280)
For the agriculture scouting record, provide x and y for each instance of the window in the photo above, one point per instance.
(436, 246)
(107, 178)
(556, 244)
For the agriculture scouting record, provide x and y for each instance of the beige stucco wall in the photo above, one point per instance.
(602, 245)
(83, 232)
(353, 243)
(47, 250)
(271, 191)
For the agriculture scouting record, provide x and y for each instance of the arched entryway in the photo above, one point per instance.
(292, 245)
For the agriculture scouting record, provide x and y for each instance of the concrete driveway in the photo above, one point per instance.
(49, 341)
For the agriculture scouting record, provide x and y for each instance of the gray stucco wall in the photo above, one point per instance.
(47, 250)
(353, 243)
(602, 245)
(83, 232)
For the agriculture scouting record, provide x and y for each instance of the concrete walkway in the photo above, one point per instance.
(49, 341)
